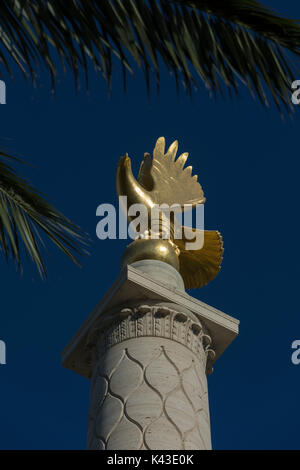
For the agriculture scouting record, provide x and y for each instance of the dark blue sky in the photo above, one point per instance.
(248, 163)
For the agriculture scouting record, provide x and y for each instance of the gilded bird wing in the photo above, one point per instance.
(199, 267)
(144, 177)
(167, 179)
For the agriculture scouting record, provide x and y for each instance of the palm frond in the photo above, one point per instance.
(221, 42)
(25, 214)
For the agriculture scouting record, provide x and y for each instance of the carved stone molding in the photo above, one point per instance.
(144, 320)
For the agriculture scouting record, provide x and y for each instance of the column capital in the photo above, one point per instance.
(154, 319)
(134, 294)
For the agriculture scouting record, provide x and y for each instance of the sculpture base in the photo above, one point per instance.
(151, 249)
(161, 272)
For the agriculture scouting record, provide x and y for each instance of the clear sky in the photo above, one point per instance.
(247, 160)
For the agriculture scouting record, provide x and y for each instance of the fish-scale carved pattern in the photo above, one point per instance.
(149, 394)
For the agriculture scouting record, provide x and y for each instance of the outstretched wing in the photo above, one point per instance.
(167, 179)
(199, 267)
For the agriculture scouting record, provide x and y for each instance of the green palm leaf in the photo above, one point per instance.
(25, 214)
(220, 42)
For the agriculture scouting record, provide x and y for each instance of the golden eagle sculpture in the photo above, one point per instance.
(164, 179)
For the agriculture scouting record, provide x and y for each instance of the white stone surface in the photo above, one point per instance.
(133, 285)
(149, 388)
(161, 272)
(147, 347)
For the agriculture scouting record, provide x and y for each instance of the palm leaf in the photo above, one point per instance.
(221, 42)
(25, 214)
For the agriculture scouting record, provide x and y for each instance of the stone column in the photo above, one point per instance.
(149, 388)
(147, 348)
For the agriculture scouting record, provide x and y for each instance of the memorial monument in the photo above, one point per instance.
(148, 345)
